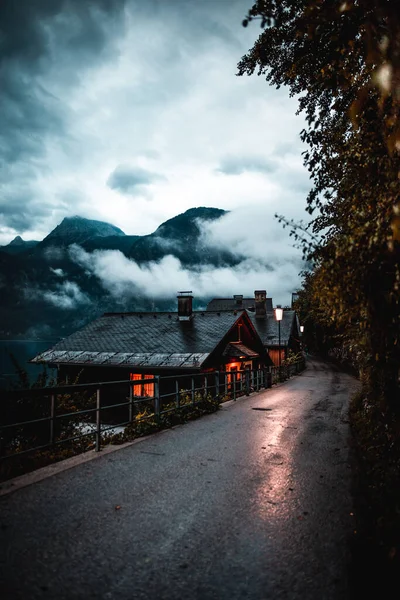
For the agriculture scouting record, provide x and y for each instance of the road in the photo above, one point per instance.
(252, 502)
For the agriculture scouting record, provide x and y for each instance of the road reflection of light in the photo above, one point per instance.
(275, 476)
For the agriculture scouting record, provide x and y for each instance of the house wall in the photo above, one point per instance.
(216, 362)
(219, 362)
(274, 355)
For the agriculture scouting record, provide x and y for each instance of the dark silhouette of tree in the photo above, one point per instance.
(342, 60)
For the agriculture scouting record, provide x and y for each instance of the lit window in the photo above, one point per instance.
(142, 389)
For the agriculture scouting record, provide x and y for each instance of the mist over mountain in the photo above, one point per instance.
(50, 288)
(85, 267)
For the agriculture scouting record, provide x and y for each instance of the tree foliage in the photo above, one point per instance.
(342, 61)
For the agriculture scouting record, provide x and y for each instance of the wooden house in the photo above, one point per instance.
(237, 302)
(137, 345)
(278, 337)
(261, 313)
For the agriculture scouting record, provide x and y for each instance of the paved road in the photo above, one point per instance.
(242, 504)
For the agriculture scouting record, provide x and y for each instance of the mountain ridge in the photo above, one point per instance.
(76, 229)
(45, 289)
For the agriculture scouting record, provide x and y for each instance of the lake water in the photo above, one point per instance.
(22, 350)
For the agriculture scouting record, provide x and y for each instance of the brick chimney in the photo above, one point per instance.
(185, 311)
(260, 297)
(238, 299)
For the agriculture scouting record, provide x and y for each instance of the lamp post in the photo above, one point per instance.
(301, 334)
(279, 317)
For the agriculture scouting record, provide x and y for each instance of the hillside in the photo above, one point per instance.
(47, 291)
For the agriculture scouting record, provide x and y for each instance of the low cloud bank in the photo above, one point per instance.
(66, 295)
(269, 264)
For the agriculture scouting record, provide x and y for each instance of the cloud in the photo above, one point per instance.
(51, 253)
(130, 180)
(270, 263)
(90, 85)
(236, 165)
(122, 277)
(58, 272)
(66, 295)
(254, 232)
(46, 46)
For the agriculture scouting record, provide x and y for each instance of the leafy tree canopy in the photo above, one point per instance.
(342, 61)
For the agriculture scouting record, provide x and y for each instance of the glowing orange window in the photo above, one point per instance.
(142, 389)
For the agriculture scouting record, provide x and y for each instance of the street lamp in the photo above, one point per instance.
(279, 317)
(301, 328)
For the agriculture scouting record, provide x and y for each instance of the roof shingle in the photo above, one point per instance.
(146, 339)
(268, 328)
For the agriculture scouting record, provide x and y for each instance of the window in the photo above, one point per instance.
(142, 389)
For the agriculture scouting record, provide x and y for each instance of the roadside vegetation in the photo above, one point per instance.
(75, 434)
(72, 431)
(341, 59)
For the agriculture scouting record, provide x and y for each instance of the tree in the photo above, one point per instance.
(343, 61)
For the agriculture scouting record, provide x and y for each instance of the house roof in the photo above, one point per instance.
(144, 339)
(231, 304)
(237, 349)
(268, 328)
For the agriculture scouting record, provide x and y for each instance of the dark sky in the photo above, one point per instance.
(130, 111)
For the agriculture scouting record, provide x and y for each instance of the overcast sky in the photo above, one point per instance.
(131, 112)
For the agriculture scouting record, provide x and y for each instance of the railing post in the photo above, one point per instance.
(241, 382)
(98, 421)
(193, 398)
(177, 397)
(157, 411)
(205, 387)
(234, 386)
(247, 375)
(52, 417)
(258, 380)
(216, 384)
(225, 383)
(130, 404)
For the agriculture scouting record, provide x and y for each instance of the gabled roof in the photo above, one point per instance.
(231, 304)
(237, 349)
(144, 339)
(268, 328)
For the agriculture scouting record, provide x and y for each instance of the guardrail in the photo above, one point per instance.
(48, 428)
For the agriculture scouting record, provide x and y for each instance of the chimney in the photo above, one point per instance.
(260, 297)
(238, 299)
(185, 311)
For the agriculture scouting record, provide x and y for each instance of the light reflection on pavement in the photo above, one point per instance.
(240, 504)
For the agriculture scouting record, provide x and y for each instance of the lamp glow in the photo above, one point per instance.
(301, 328)
(279, 317)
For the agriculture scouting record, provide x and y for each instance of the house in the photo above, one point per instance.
(237, 302)
(261, 313)
(278, 336)
(140, 345)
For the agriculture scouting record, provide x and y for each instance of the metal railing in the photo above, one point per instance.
(18, 438)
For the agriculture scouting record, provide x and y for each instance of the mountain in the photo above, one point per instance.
(77, 230)
(186, 225)
(45, 291)
(181, 236)
(123, 243)
(18, 245)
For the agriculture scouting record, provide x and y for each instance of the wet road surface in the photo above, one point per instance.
(252, 502)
